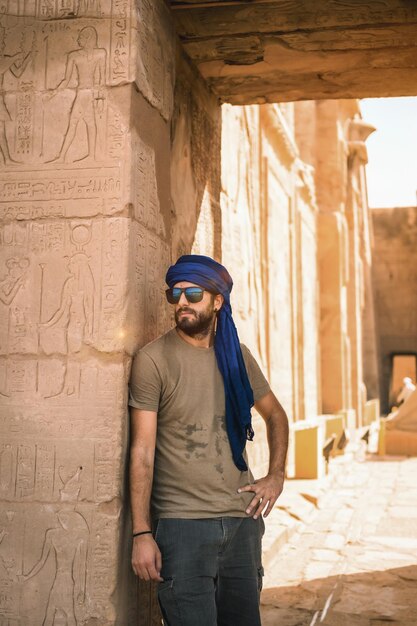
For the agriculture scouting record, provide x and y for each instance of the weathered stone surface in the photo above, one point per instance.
(275, 240)
(195, 166)
(155, 58)
(265, 51)
(370, 579)
(338, 157)
(394, 275)
(84, 189)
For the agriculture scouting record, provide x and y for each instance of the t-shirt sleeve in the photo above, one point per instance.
(145, 383)
(259, 384)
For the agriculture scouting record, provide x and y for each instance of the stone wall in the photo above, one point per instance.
(331, 137)
(195, 165)
(85, 241)
(269, 246)
(395, 282)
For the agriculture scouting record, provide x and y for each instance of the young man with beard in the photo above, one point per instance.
(196, 508)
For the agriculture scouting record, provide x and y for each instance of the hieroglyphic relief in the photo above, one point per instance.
(68, 544)
(120, 41)
(150, 251)
(13, 280)
(79, 295)
(59, 304)
(81, 193)
(63, 289)
(67, 577)
(74, 474)
(146, 201)
(16, 64)
(151, 257)
(55, 9)
(47, 470)
(54, 106)
(114, 284)
(88, 64)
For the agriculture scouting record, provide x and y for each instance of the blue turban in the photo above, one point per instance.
(206, 272)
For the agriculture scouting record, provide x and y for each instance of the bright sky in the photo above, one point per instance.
(392, 149)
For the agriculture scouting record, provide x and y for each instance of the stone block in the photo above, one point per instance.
(371, 412)
(334, 425)
(400, 442)
(308, 449)
(381, 438)
(349, 416)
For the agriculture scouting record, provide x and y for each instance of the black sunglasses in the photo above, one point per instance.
(193, 294)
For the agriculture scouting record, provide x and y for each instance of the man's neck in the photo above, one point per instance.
(199, 341)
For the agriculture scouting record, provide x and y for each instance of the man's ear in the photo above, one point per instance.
(218, 301)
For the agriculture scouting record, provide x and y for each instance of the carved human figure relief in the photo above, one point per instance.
(87, 65)
(14, 279)
(16, 65)
(75, 312)
(74, 316)
(67, 543)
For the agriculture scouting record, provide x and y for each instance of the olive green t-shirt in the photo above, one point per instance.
(194, 472)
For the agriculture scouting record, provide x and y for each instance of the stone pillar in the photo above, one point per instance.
(334, 144)
(84, 196)
(328, 149)
(356, 211)
(333, 312)
(369, 340)
(308, 292)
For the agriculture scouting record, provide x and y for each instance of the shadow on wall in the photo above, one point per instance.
(195, 227)
(195, 167)
(373, 597)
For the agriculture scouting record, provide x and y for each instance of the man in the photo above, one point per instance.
(191, 392)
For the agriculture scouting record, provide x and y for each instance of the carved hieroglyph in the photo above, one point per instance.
(62, 304)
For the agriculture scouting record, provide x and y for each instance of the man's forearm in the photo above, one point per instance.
(141, 476)
(277, 435)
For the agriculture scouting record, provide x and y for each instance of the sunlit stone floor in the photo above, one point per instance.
(355, 562)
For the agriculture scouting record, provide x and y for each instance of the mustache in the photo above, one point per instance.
(185, 310)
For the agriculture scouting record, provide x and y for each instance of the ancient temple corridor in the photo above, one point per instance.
(133, 132)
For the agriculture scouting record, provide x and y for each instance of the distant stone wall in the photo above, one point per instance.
(331, 137)
(395, 284)
(269, 246)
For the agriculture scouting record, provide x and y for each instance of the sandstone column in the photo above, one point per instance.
(319, 135)
(84, 200)
(356, 209)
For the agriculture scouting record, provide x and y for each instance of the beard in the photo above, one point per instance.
(199, 324)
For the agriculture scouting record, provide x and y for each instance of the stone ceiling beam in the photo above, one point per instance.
(276, 50)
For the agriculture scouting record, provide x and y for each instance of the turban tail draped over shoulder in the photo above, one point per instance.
(206, 272)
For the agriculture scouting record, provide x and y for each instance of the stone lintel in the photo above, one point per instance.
(258, 52)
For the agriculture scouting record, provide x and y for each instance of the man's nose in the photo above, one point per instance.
(183, 300)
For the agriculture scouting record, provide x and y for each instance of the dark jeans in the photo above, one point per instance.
(212, 571)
